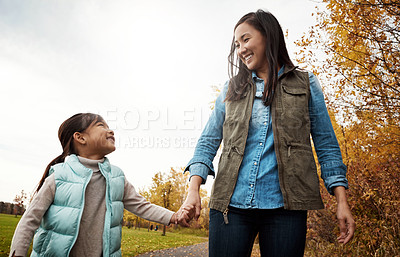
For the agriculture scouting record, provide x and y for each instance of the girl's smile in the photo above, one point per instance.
(98, 141)
(112, 139)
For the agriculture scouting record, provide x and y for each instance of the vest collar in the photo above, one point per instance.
(287, 70)
(282, 72)
(73, 161)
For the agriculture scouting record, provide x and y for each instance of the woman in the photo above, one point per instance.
(267, 177)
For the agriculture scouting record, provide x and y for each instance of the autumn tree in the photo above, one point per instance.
(161, 192)
(169, 190)
(361, 40)
(355, 50)
(19, 203)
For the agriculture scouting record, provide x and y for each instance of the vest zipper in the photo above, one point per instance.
(107, 222)
(289, 150)
(225, 214)
(81, 211)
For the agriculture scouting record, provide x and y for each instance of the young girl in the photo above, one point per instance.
(79, 202)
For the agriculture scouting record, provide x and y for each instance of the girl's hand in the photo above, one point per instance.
(346, 222)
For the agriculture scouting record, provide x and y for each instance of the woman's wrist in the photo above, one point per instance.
(195, 183)
(340, 194)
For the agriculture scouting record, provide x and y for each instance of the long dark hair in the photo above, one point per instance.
(276, 54)
(77, 123)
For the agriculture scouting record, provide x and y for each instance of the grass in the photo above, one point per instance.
(134, 241)
(7, 227)
(189, 231)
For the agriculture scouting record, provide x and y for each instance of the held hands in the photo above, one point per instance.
(182, 216)
(189, 210)
(192, 206)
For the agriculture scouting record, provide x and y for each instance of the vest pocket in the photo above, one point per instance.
(294, 90)
(225, 179)
(46, 247)
(295, 116)
(39, 240)
(294, 97)
(302, 172)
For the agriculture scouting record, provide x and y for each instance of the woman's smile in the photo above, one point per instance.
(247, 58)
(251, 47)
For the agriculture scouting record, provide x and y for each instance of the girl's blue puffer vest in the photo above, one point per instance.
(60, 225)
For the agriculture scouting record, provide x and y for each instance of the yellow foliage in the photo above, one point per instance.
(358, 45)
(169, 190)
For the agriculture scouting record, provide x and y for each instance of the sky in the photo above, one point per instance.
(147, 67)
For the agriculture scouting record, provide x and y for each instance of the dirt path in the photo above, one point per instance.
(198, 250)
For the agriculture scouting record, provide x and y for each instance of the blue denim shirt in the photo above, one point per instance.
(257, 185)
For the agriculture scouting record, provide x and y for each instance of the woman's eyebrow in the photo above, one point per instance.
(244, 34)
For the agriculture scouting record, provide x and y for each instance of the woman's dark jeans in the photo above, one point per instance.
(282, 233)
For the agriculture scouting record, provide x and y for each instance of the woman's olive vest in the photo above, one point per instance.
(298, 176)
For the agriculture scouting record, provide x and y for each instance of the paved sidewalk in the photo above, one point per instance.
(198, 250)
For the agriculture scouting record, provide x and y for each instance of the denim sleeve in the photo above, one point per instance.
(333, 170)
(209, 141)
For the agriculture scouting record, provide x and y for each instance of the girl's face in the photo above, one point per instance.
(250, 47)
(99, 139)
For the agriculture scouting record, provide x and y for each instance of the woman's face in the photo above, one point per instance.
(250, 47)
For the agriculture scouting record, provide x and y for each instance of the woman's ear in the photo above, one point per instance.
(79, 138)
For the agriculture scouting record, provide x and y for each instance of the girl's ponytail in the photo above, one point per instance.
(58, 159)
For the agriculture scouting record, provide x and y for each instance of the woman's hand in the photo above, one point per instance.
(192, 203)
(346, 222)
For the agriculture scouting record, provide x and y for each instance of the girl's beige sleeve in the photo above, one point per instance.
(32, 217)
(139, 206)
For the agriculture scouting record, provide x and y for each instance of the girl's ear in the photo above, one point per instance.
(79, 138)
